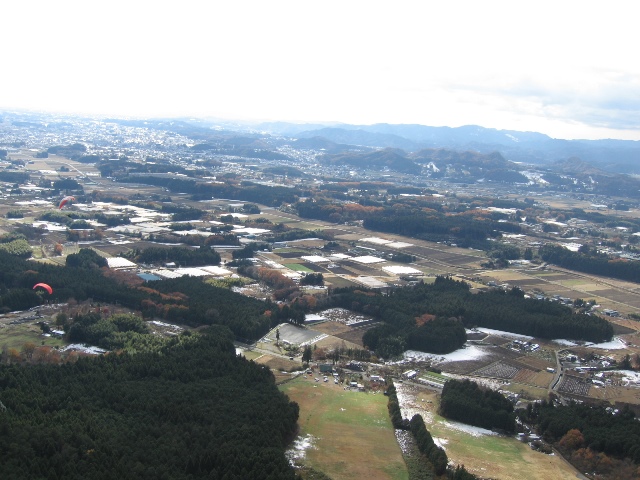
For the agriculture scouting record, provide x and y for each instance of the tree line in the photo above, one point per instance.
(436, 455)
(594, 263)
(467, 229)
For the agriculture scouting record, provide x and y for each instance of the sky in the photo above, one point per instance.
(565, 68)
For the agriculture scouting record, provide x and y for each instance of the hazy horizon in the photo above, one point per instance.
(565, 70)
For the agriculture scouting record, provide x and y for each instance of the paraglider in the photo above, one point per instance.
(45, 286)
(66, 200)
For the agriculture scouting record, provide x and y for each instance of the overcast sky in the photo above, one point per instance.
(569, 69)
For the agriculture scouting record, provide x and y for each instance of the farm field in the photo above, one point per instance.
(482, 453)
(15, 336)
(436, 259)
(296, 267)
(339, 282)
(341, 428)
(609, 293)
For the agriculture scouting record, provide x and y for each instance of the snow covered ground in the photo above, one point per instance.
(630, 378)
(299, 448)
(500, 333)
(343, 315)
(441, 442)
(84, 348)
(470, 429)
(469, 352)
(564, 342)
(615, 344)
(408, 406)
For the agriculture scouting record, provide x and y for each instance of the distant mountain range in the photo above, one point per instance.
(614, 156)
(394, 143)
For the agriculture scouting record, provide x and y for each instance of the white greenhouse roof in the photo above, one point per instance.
(367, 259)
(119, 262)
(315, 259)
(401, 270)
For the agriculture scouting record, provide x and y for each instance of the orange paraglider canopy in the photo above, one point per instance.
(65, 200)
(45, 286)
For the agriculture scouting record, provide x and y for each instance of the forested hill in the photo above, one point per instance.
(619, 156)
(193, 410)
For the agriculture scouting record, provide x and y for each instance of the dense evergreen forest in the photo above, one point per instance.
(192, 410)
(466, 402)
(120, 331)
(432, 317)
(593, 263)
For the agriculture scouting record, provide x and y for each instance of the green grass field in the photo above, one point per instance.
(351, 432)
(296, 267)
(251, 355)
(436, 377)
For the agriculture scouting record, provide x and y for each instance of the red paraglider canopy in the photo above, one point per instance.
(65, 200)
(45, 286)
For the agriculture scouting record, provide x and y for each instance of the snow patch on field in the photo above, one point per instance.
(84, 348)
(501, 333)
(342, 315)
(615, 344)
(441, 442)
(404, 439)
(469, 352)
(409, 406)
(299, 448)
(312, 317)
(470, 429)
(629, 378)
